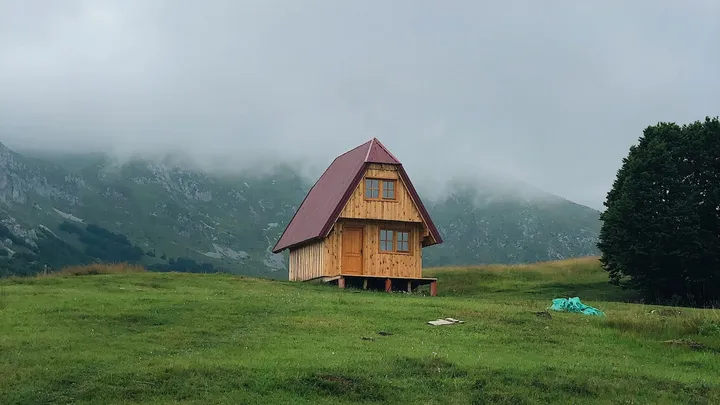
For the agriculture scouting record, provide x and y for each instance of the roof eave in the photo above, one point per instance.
(298, 244)
(421, 207)
(277, 249)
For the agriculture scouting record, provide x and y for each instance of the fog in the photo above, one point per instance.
(549, 93)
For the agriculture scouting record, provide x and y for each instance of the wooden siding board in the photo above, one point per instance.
(307, 262)
(402, 209)
(377, 263)
(333, 247)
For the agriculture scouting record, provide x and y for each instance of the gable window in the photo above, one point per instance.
(380, 189)
(372, 188)
(388, 192)
(392, 241)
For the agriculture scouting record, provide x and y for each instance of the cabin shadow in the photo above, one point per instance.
(419, 286)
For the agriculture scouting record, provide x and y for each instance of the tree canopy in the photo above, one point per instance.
(661, 227)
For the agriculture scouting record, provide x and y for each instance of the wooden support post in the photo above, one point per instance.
(409, 286)
(388, 285)
(433, 288)
(365, 284)
(341, 282)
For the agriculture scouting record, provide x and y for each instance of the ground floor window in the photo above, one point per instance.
(394, 241)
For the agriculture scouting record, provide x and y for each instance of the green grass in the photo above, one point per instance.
(166, 338)
(581, 277)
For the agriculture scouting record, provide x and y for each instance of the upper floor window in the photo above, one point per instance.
(379, 189)
(372, 188)
(388, 192)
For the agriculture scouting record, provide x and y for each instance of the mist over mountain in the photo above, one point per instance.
(453, 89)
(170, 213)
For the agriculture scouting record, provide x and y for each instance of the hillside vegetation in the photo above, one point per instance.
(582, 277)
(127, 337)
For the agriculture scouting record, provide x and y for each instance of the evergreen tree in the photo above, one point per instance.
(661, 227)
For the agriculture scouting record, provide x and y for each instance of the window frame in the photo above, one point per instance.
(394, 241)
(406, 241)
(381, 189)
(394, 190)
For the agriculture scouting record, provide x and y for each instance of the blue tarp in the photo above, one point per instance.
(574, 305)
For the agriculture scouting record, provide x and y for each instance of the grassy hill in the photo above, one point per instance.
(180, 338)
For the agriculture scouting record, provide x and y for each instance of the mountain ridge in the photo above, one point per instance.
(230, 221)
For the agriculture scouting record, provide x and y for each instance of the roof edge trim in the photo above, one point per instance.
(345, 198)
(420, 206)
(275, 248)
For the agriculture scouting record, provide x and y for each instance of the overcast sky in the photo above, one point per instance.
(549, 92)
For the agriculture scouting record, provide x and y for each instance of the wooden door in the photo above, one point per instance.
(352, 250)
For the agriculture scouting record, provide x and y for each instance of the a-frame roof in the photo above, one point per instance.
(325, 200)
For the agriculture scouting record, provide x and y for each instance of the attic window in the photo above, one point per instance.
(392, 241)
(379, 189)
(388, 190)
(372, 188)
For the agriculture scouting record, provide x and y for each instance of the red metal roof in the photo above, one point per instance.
(326, 199)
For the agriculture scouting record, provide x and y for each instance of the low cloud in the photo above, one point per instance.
(549, 93)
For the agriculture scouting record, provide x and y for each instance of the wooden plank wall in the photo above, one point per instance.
(378, 263)
(333, 250)
(402, 212)
(391, 264)
(307, 262)
(402, 209)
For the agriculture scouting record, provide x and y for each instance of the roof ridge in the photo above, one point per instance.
(348, 151)
(380, 144)
(323, 203)
(367, 154)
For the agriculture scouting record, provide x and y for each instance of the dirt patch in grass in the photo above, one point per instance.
(432, 366)
(93, 269)
(505, 387)
(176, 382)
(333, 384)
(697, 346)
(151, 285)
(135, 320)
(555, 386)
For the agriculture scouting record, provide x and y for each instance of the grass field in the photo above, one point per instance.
(164, 338)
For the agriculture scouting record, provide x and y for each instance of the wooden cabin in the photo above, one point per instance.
(362, 222)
